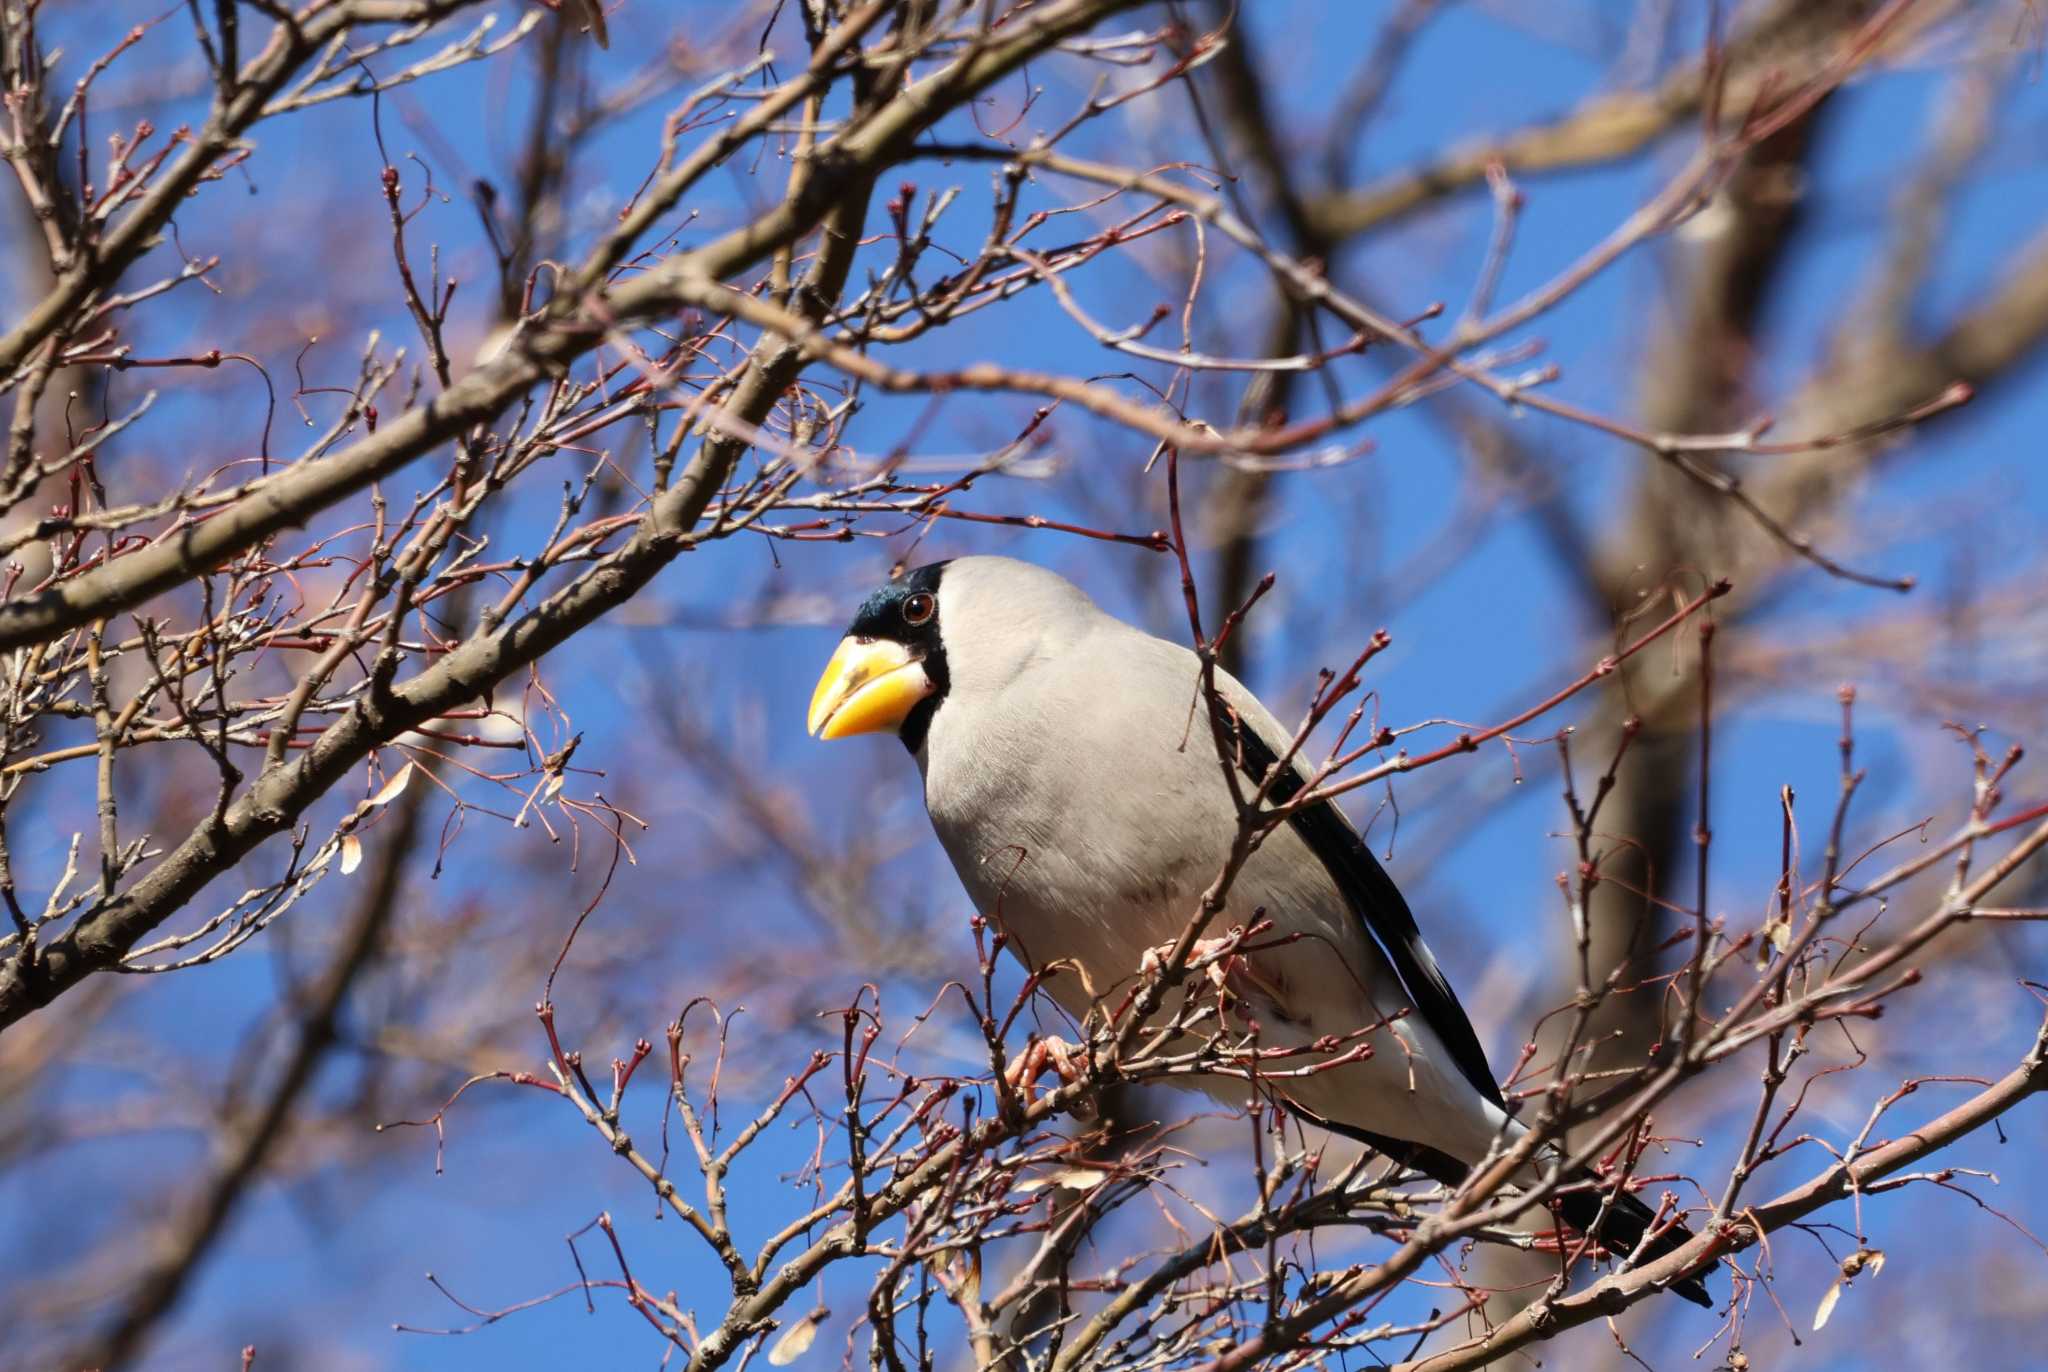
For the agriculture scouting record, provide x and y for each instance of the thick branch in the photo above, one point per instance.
(100, 937)
(565, 333)
(1610, 1295)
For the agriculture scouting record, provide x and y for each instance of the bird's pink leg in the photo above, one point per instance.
(1051, 1053)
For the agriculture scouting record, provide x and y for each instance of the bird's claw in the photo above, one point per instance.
(1241, 984)
(1053, 1054)
(1212, 957)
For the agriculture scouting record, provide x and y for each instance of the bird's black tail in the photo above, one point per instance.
(1620, 1230)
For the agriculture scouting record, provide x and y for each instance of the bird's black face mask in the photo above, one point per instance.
(889, 672)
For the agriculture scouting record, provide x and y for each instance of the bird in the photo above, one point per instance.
(1085, 810)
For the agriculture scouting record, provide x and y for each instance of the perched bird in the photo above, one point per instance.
(1082, 802)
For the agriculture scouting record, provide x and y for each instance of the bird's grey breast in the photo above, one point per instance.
(1068, 803)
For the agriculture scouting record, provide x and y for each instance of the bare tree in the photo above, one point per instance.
(337, 643)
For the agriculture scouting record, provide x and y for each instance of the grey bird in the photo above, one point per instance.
(1083, 805)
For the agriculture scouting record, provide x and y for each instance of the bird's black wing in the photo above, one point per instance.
(1377, 902)
(1620, 1219)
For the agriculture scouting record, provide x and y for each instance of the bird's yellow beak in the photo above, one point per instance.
(868, 687)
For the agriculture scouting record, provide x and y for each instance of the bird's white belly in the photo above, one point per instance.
(1055, 903)
(1066, 905)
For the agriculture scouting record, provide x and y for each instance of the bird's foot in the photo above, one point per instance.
(1050, 1054)
(1244, 991)
(1214, 958)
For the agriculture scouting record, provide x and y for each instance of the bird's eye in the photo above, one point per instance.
(919, 608)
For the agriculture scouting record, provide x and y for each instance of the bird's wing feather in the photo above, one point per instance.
(1620, 1218)
(1377, 902)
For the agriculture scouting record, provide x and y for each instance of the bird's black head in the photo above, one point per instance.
(905, 610)
(890, 670)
